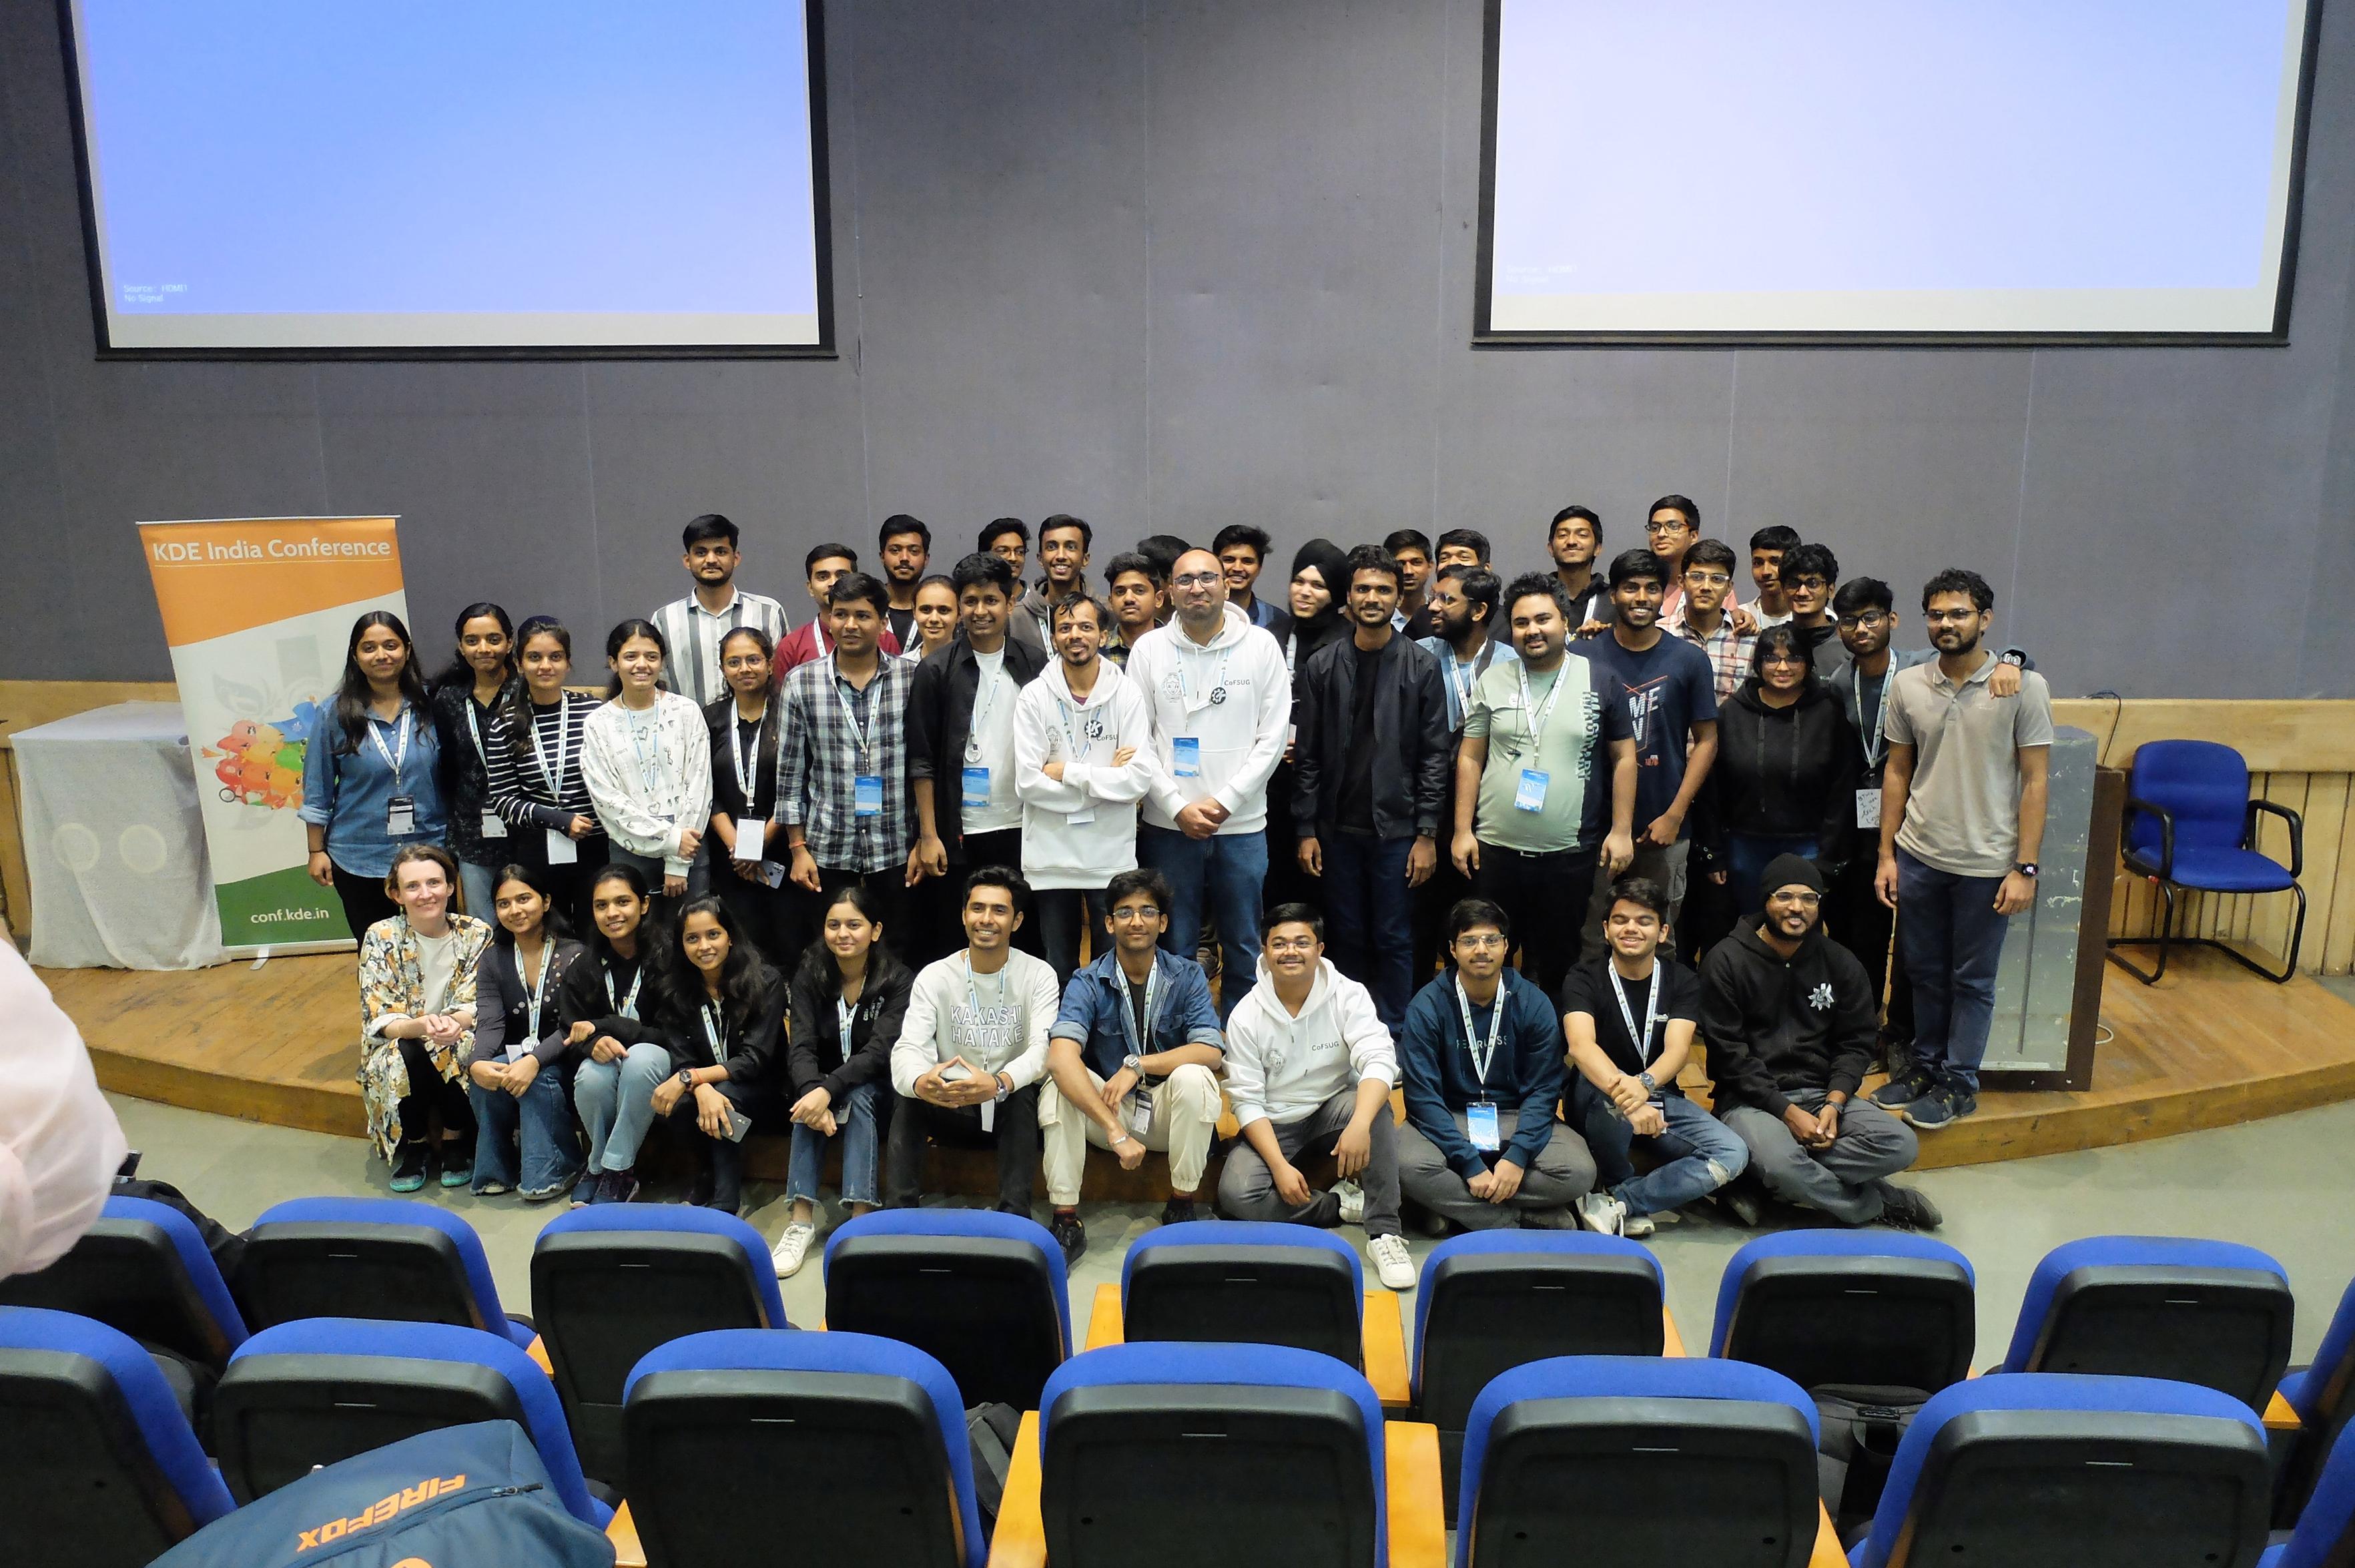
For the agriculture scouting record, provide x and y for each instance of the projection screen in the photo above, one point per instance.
(447, 175)
(1892, 170)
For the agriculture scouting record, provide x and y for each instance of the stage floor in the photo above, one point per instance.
(2211, 1046)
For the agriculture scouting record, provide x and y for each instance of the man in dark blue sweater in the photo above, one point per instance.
(1481, 1059)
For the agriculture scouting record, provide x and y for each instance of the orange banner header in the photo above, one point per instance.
(215, 578)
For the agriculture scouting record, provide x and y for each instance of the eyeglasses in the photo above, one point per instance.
(1707, 578)
(1949, 617)
(1197, 579)
(1127, 913)
(1479, 940)
(1666, 528)
(1291, 944)
(1813, 584)
(1804, 900)
(1870, 621)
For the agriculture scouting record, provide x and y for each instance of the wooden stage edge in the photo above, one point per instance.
(2212, 1046)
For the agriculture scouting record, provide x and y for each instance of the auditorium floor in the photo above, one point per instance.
(2285, 1184)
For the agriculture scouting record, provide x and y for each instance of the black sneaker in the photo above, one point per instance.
(1178, 1212)
(1943, 1106)
(1072, 1235)
(1908, 1209)
(1743, 1203)
(618, 1187)
(1905, 1088)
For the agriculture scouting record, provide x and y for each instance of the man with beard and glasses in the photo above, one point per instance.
(1465, 606)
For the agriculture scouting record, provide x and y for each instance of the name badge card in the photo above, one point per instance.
(494, 825)
(1480, 1123)
(1867, 809)
(867, 795)
(400, 816)
(977, 788)
(1185, 757)
(1082, 816)
(752, 840)
(562, 849)
(1530, 795)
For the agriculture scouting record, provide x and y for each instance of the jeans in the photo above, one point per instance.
(1370, 917)
(1538, 892)
(1747, 855)
(1665, 866)
(1702, 1154)
(1014, 1132)
(1561, 1175)
(1844, 1181)
(1222, 874)
(526, 1143)
(616, 1100)
(1186, 1107)
(854, 1116)
(481, 885)
(1060, 915)
(1247, 1187)
(1953, 942)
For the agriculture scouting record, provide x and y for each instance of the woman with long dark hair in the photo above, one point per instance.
(369, 778)
(466, 699)
(535, 769)
(1785, 770)
(1319, 598)
(726, 1020)
(748, 846)
(613, 1007)
(647, 755)
(518, 1075)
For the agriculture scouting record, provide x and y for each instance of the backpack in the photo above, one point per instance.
(1862, 1425)
(461, 1497)
(990, 1430)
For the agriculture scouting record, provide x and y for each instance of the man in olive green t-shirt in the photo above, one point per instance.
(1536, 808)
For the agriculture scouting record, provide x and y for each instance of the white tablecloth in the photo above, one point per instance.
(113, 844)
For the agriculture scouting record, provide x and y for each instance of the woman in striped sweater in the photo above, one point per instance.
(534, 765)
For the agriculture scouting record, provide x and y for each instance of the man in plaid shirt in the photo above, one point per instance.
(841, 765)
(1707, 580)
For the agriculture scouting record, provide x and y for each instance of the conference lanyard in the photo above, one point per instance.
(1152, 990)
(563, 754)
(539, 986)
(714, 1031)
(985, 702)
(849, 714)
(844, 1011)
(1464, 682)
(1651, 1012)
(625, 1005)
(1481, 1056)
(1871, 739)
(650, 767)
(973, 1000)
(1535, 717)
(1093, 728)
(474, 723)
(745, 751)
(393, 759)
(1218, 693)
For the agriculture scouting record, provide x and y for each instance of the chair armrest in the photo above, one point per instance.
(1418, 1501)
(1671, 1342)
(1827, 1552)
(623, 1536)
(537, 1351)
(2296, 832)
(2166, 833)
(2279, 1416)
(1020, 1538)
(1382, 1343)
(1104, 1323)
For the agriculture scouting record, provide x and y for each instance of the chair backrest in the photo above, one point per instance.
(872, 1430)
(611, 1282)
(1167, 1454)
(1638, 1460)
(983, 1294)
(1494, 1299)
(1850, 1306)
(2214, 1313)
(2324, 1536)
(2205, 787)
(1265, 1283)
(2323, 1394)
(368, 1257)
(101, 1470)
(2091, 1472)
(311, 1392)
(143, 1268)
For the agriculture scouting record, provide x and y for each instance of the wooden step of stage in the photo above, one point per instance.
(2211, 1046)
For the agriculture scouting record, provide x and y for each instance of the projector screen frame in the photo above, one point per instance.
(822, 241)
(1486, 335)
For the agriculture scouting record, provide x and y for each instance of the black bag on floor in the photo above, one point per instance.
(462, 1497)
(990, 1430)
(1862, 1425)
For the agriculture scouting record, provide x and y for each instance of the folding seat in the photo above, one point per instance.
(1634, 1461)
(144, 1269)
(311, 1392)
(2322, 1396)
(2214, 1313)
(1496, 1299)
(870, 1433)
(389, 1258)
(103, 1469)
(2040, 1470)
(983, 1294)
(611, 1282)
(2324, 1536)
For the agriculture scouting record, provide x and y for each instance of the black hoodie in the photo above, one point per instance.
(1784, 770)
(1777, 1026)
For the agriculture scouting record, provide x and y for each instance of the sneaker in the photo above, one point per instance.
(1908, 1209)
(1743, 1203)
(492, 1188)
(542, 1194)
(1393, 1264)
(409, 1174)
(457, 1163)
(791, 1247)
(1905, 1088)
(1353, 1202)
(1603, 1213)
(1635, 1227)
(1071, 1235)
(1943, 1106)
(618, 1187)
(1178, 1212)
(1564, 1218)
(584, 1191)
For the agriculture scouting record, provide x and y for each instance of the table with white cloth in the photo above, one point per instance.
(115, 847)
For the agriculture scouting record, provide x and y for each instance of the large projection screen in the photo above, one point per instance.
(451, 177)
(1892, 170)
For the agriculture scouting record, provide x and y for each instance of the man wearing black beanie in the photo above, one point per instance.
(1790, 1019)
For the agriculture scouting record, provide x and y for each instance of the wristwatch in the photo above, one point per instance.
(1133, 1064)
(1647, 1080)
(1005, 1085)
(2024, 868)
(686, 1076)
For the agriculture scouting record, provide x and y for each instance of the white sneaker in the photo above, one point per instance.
(1603, 1213)
(1353, 1202)
(791, 1247)
(1635, 1227)
(1393, 1263)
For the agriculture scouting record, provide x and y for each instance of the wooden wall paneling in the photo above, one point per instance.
(2326, 824)
(2315, 735)
(2338, 948)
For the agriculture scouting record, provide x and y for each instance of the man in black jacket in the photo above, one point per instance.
(1790, 1021)
(1370, 760)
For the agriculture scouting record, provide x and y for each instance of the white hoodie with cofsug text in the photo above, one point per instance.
(1050, 725)
(1232, 699)
(1283, 1067)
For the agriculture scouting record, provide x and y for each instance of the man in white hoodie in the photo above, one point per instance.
(1222, 704)
(1309, 1067)
(1082, 759)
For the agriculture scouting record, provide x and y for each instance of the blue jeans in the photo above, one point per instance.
(534, 1131)
(616, 1100)
(1746, 856)
(1702, 1152)
(1370, 917)
(481, 885)
(1952, 940)
(1222, 873)
(854, 1116)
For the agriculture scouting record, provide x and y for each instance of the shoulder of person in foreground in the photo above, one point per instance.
(60, 1142)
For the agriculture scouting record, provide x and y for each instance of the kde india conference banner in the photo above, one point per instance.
(258, 612)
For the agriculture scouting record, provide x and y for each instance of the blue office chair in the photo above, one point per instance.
(2189, 823)
(2090, 1472)
(392, 1258)
(1873, 1308)
(311, 1392)
(875, 1427)
(611, 1282)
(2323, 1394)
(1633, 1461)
(103, 1469)
(2324, 1536)
(2213, 1313)
(1265, 1283)
(983, 1294)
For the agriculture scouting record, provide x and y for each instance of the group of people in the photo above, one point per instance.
(1201, 790)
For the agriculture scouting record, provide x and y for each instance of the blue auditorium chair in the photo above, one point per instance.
(985, 1294)
(2324, 1536)
(1638, 1461)
(610, 1282)
(2213, 1313)
(393, 1258)
(142, 1268)
(2322, 1396)
(2050, 1471)
(1267, 1283)
(2189, 823)
(101, 1468)
(311, 1392)
(870, 1431)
